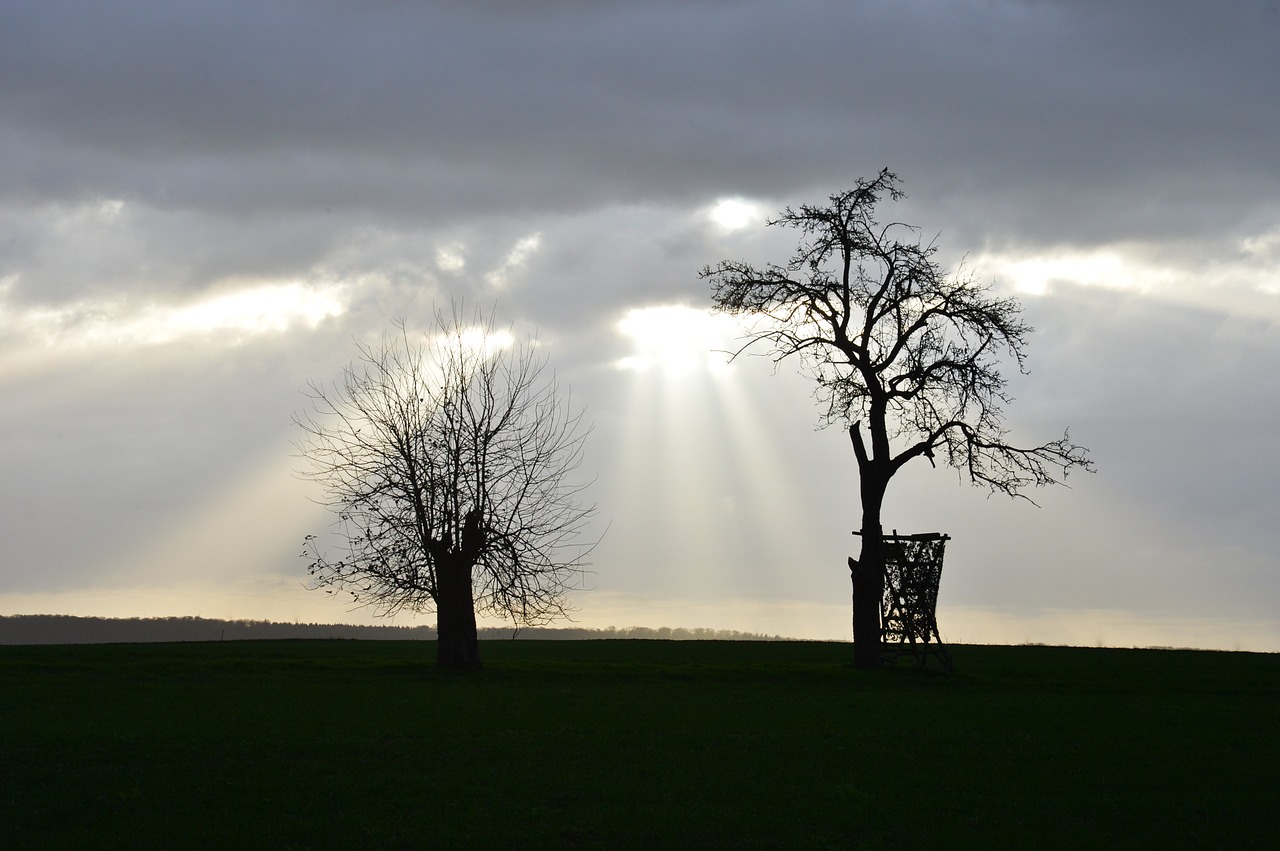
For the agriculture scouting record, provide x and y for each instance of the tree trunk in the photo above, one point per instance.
(868, 589)
(457, 646)
(867, 573)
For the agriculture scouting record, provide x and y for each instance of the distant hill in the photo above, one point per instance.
(66, 629)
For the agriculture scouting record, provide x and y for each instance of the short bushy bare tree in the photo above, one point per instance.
(450, 459)
(903, 354)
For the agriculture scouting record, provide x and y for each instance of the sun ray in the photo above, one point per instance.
(709, 506)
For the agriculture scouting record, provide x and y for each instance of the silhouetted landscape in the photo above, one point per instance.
(66, 629)
(486, 325)
(632, 744)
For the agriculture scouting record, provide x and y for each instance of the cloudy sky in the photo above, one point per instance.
(203, 204)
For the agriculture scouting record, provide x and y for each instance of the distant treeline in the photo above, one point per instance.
(66, 629)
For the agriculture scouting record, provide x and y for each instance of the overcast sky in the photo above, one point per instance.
(202, 205)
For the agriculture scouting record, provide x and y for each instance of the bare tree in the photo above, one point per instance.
(904, 355)
(450, 460)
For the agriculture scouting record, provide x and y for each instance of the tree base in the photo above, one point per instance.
(458, 655)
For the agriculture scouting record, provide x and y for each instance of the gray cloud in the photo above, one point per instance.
(445, 109)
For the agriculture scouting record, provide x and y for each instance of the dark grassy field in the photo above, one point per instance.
(633, 744)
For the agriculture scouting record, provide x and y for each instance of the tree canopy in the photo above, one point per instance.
(889, 336)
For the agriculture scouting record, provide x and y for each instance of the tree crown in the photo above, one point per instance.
(458, 448)
(894, 341)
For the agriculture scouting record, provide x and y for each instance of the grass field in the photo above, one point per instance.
(633, 744)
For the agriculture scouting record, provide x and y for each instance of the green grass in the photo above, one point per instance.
(633, 744)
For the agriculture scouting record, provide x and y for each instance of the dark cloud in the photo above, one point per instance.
(446, 109)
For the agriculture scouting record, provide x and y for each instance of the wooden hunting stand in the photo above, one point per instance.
(908, 609)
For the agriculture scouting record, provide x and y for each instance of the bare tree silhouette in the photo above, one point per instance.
(903, 354)
(450, 459)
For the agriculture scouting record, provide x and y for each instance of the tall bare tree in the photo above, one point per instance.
(903, 354)
(450, 460)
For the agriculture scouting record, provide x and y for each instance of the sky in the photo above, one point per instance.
(204, 205)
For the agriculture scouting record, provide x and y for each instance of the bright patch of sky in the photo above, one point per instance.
(1222, 282)
(1036, 275)
(229, 317)
(451, 258)
(486, 342)
(520, 253)
(677, 340)
(736, 213)
(1264, 245)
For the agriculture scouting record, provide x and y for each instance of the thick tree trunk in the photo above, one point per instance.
(457, 646)
(868, 589)
(867, 572)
